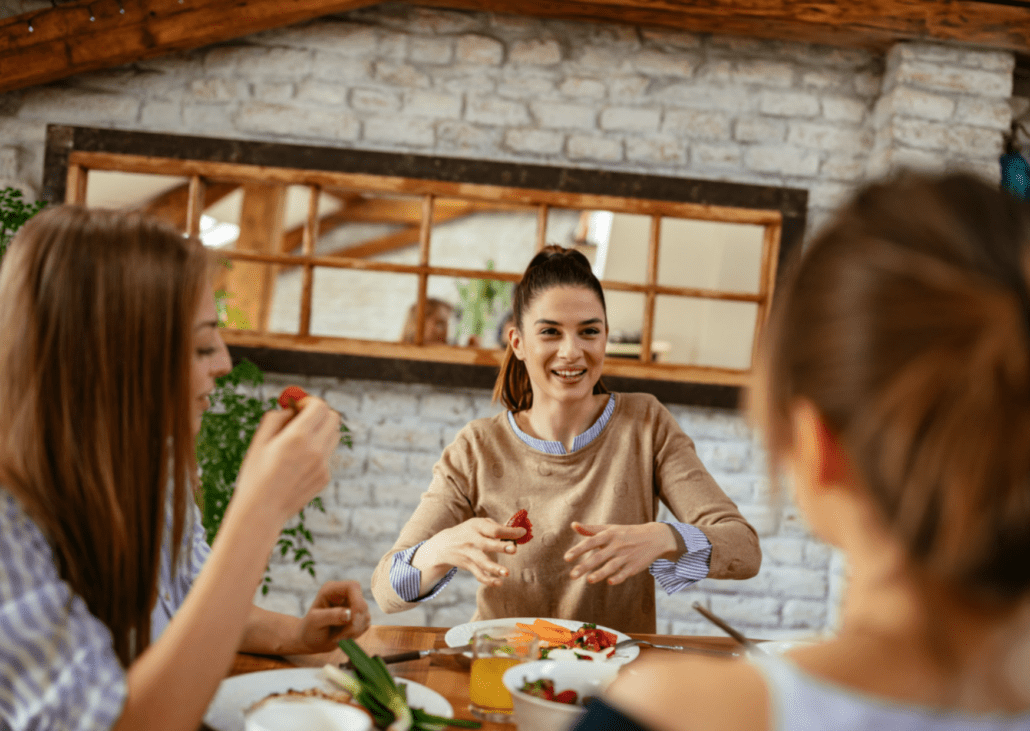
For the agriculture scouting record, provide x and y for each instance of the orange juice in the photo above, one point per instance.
(486, 690)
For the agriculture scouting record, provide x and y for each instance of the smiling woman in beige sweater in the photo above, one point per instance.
(590, 468)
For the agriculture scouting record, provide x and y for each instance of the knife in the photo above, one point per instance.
(416, 655)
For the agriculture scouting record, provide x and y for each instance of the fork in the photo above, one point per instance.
(679, 648)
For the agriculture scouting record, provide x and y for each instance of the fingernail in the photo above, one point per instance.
(575, 574)
(509, 549)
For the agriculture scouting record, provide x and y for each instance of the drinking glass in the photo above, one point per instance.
(495, 650)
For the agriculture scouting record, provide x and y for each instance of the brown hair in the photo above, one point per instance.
(907, 325)
(433, 305)
(96, 316)
(554, 266)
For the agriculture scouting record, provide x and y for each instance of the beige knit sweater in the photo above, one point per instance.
(642, 456)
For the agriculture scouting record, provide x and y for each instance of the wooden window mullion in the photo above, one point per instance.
(647, 334)
(767, 282)
(423, 262)
(541, 227)
(308, 239)
(76, 189)
(195, 198)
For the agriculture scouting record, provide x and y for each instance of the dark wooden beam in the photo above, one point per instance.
(872, 24)
(64, 41)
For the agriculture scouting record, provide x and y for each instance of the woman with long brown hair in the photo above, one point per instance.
(113, 611)
(895, 389)
(588, 466)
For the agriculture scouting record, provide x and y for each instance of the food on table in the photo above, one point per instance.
(521, 520)
(544, 688)
(291, 396)
(561, 643)
(337, 697)
(374, 688)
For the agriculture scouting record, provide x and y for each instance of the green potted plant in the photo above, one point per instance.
(480, 303)
(225, 433)
(14, 212)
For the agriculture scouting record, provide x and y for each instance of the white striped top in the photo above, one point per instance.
(58, 668)
(673, 576)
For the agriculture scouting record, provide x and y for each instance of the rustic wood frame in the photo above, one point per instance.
(73, 150)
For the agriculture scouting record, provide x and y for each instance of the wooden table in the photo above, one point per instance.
(443, 674)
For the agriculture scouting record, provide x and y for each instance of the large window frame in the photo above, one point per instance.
(73, 151)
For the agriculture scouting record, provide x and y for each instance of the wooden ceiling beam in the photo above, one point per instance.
(871, 24)
(64, 41)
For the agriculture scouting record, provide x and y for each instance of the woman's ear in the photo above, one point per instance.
(516, 342)
(817, 450)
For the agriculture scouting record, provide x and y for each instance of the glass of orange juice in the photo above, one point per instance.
(494, 650)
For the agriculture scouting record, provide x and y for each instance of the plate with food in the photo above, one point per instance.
(560, 639)
(238, 694)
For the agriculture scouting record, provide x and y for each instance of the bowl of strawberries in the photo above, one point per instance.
(550, 695)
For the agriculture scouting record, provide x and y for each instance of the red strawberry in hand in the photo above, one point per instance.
(291, 396)
(521, 520)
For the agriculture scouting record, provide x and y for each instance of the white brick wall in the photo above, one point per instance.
(398, 78)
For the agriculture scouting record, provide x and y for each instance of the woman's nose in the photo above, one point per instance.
(222, 362)
(570, 348)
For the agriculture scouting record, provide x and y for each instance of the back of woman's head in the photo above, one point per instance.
(907, 325)
(554, 266)
(96, 314)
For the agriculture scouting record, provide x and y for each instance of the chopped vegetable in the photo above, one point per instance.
(374, 688)
(544, 688)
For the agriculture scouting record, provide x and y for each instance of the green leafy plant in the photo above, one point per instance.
(14, 212)
(225, 433)
(479, 302)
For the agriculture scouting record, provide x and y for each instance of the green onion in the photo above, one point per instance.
(374, 688)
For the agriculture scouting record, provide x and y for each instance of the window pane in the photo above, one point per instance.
(480, 235)
(625, 322)
(377, 226)
(477, 309)
(624, 257)
(586, 231)
(705, 332)
(350, 303)
(164, 196)
(710, 255)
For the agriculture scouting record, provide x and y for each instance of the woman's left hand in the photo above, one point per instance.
(617, 552)
(338, 611)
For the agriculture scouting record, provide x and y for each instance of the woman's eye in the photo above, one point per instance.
(204, 352)
(549, 331)
(591, 331)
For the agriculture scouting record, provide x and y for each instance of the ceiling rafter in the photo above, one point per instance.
(65, 41)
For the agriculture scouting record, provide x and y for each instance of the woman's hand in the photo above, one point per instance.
(287, 463)
(617, 552)
(338, 611)
(470, 546)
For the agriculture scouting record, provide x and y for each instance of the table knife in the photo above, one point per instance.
(416, 655)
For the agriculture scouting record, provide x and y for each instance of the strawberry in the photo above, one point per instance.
(290, 396)
(566, 696)
(521, 520)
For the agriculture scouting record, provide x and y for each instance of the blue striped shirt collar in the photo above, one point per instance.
(549, 447)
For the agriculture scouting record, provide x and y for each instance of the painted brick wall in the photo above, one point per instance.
(516, 89)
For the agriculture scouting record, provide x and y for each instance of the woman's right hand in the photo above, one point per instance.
(470, 546)
(287, 463)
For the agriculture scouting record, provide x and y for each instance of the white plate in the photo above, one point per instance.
(240, 692)
(462, 634)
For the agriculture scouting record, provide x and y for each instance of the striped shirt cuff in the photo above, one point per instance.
(406, 579)
(691, 567)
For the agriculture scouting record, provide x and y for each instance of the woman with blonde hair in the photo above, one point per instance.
(895, 388)
(113, 611)
(589, 467)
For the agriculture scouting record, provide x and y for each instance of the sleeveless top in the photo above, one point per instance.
(799, 701)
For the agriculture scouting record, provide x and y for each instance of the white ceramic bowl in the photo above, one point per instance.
(536, 714)
(306, 714)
